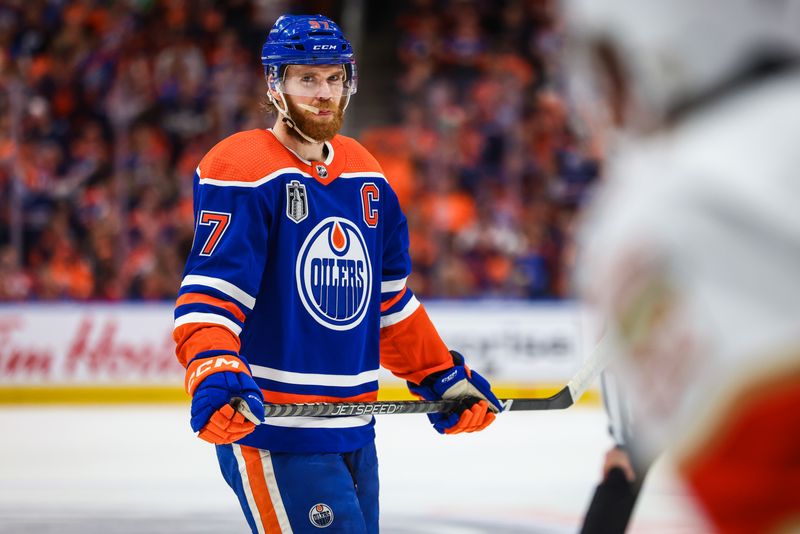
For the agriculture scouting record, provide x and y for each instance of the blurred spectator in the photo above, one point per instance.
(494, 195)
(15, 282)
(107, 107)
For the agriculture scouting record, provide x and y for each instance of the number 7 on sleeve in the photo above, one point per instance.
(219, 222)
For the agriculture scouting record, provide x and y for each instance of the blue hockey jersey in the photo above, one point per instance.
(299, 267)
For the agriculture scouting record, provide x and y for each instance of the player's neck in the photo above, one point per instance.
(306, 150)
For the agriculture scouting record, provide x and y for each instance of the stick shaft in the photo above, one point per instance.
(591, 369)
(565, 398)
(332, 409)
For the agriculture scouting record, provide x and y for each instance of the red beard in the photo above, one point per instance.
(313, 127)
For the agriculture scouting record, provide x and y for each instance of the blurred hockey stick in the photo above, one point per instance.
(565, 398)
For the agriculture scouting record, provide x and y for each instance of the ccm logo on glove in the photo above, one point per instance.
(449, 377)
(459, 382)
(204, 367)
(216, 382)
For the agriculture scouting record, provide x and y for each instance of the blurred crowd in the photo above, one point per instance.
(106, 109)
(494, 167)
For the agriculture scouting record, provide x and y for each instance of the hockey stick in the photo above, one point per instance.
(566, 397)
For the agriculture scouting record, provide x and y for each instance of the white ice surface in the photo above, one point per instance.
(126, 469)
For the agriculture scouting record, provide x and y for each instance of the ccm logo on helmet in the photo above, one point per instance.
(324, 47)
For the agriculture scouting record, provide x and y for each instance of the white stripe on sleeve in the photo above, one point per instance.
(391, 286)
(199, 317)
(220, 285)
(394, 318)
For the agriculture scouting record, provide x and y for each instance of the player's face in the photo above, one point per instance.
(315, 97)
(324, 82)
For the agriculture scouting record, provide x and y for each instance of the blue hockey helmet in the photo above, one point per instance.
(307, 40)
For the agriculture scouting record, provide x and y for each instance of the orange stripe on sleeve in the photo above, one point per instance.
(193, 338)
(392, 301)
(199, 298)
(276, 397)
(258, 485)
(412, 348)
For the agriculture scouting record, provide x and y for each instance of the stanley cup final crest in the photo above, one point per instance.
(296, 201)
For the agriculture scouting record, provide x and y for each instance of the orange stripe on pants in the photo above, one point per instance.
(258, 485)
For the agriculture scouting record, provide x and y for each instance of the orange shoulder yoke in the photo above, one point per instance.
(245, 157)
(358, 158)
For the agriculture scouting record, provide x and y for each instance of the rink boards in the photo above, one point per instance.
(88, 353)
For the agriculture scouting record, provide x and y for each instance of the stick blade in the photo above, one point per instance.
(559, 401)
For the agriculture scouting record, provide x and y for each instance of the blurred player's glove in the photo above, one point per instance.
(459, 382)
(213, 383)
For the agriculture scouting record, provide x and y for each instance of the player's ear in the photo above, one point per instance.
(272, 91)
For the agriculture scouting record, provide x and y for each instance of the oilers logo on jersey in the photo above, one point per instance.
(334, 274)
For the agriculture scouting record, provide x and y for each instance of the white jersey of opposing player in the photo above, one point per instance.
(692, 251)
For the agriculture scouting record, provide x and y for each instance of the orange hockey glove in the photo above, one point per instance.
(479, 404)
(213, 383)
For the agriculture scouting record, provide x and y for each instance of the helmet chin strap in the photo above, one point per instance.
(287, 119)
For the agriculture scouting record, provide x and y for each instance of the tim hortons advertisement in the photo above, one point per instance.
(131, 344)
(87, 344)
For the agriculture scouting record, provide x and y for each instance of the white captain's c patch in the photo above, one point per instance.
(334, 274)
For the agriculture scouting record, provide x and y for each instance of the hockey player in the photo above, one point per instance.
(295, 291)
(692, 251)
